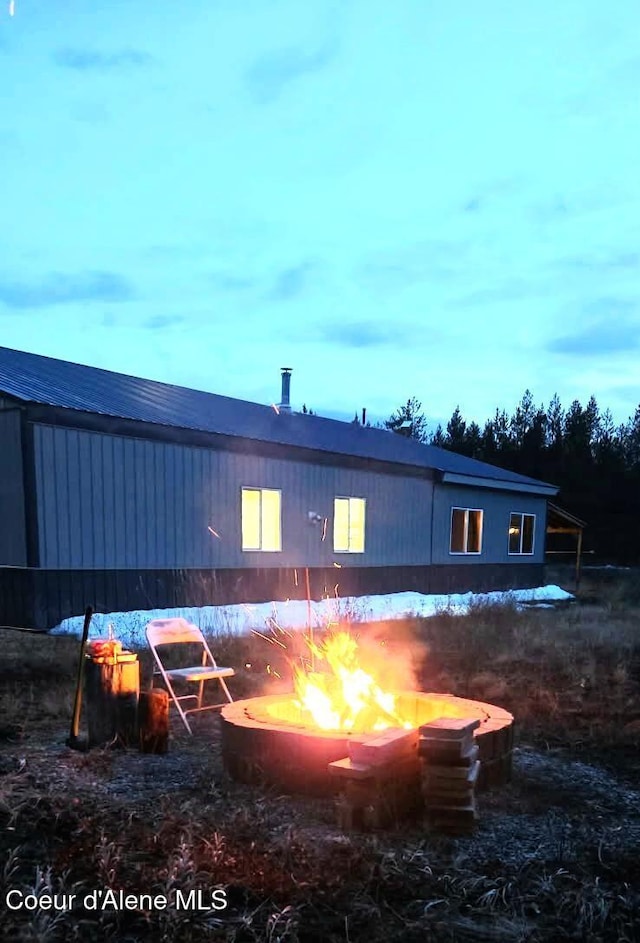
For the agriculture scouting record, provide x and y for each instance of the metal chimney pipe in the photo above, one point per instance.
(284, 405)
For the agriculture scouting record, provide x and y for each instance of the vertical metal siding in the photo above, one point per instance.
(87, 500)
(151, 515)
(115, 483)
(113, 502)
(47, 504)
(497, 507)
(104, 469)
(79, 485)
(13, 540)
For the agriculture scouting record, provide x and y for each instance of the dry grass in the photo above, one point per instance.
(76, 823)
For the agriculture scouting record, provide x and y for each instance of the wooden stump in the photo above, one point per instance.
(111, 696)
(153, 716)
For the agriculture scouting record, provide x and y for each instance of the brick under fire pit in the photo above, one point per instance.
(266, 739)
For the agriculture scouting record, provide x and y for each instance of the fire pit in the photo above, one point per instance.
(269, 739)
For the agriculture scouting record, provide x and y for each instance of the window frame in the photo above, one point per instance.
(521, 552)
(349, 499)
(466, 552)
(261, 548)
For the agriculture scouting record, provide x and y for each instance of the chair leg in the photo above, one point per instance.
(176, 701)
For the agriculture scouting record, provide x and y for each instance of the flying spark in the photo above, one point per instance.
(275, 625)
(276, 409)
(12, 7)
(324, 528)
(215, 533)
(269, 638)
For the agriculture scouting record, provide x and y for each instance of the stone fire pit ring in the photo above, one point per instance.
(265, 739)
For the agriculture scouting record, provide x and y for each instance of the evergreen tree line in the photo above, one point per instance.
(595, 463)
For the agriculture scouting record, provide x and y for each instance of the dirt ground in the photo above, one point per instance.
(563, 834)
(555, 856)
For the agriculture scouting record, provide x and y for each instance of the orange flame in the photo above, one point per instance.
(343, 696)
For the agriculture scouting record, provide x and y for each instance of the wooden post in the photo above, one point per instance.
(578, 559)
(153, 715)
(111, 692)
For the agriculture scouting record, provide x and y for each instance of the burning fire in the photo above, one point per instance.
(343, 696)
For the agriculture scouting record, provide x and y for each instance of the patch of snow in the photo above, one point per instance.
(129, 627)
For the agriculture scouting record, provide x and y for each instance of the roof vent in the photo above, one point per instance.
(284, 406)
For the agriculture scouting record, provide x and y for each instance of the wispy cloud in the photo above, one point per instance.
(161, 321)
(488, 195)
(613, 326)
(270, 74)
(394, 269)
(291, 282)
(614, 261)
(228, 281)
(58, 288)
(565, 206)
(86, 60)
(360, 334)
(510, 290)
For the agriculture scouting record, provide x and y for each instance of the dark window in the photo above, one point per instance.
(521, 533)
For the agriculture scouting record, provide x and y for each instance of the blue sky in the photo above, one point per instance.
(439, 200)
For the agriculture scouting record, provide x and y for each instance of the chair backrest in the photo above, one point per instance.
(175, 632)
(172, 632)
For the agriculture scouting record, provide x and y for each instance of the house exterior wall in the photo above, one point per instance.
(114, 502)
(497, 507)
(13, 544)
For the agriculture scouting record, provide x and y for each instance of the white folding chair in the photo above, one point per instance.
(164, 632)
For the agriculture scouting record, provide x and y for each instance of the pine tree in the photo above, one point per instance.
(473, 441)
(522, 420)
(409, 421)
(438, 438)
(631, 441)
(456, 428)
(555, 423)
(489, 443)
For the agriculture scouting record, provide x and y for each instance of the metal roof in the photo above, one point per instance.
(555, 511)
(32, 378)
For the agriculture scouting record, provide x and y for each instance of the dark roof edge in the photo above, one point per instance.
(159, 432)
(17, 402)
(566, 515)
(498, 484)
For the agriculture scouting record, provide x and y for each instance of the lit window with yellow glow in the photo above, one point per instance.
(466, 530)
(348, 525)
(261, 527)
